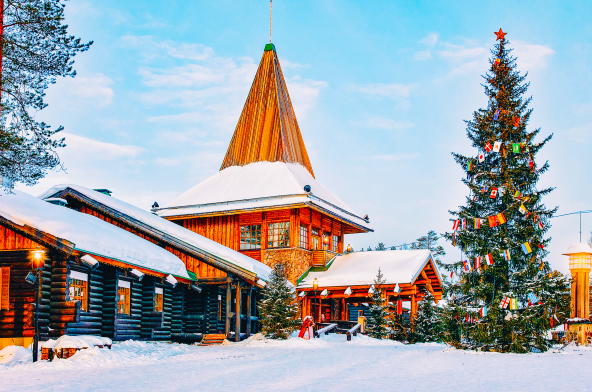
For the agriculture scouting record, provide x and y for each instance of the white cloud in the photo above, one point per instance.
(581, 134)
(422, 55)
(430, 40)
(387, 124)
(94, 88)
(183, 76)
(97, 149)
(531, 56)
(151, 48)
(288, 64)
(304, 94)
(393, 90)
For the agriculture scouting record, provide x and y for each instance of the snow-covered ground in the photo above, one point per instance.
(329, 364)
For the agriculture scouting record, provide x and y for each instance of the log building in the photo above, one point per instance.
(266, 202)
(347, 281)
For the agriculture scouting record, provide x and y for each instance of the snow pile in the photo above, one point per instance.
(13, 355)
(89, 234)
(169, 228)
(80, 342)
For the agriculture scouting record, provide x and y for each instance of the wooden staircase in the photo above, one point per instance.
(212, 339)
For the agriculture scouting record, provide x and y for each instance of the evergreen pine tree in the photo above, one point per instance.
(279, 307)
(376, 319)
(427, 325)
(514, 220)
(430, 241)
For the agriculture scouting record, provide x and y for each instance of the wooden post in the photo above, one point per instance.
(412, 308)
(228, 306)
(248, 330)
(343, 312)
(237, 313)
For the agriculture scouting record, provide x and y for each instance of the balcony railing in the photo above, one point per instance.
(320, 258)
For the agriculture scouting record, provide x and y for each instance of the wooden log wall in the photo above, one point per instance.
(216, 325)
(178, 305)
(150, 319)
(91, 320)
(118, 326)
(164, 332)
(194, 320)
(63, 311)
(19, 319)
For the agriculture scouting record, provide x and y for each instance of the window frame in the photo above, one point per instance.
(335, 243)
(246, 234)
(304, 237)
(78, 288)
(158, 300)
(4, 288)
(127, 293)
(278, 234)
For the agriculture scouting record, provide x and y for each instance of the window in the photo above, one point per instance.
(4, 288)
(278, 235)
(315, 231)
(335, 243)
(158, 299)
(79, 289)
(316, 240)
(304, 237)
(250, 237)
(123, 297)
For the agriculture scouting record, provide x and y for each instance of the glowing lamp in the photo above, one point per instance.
(39, 258)
(349, 248)
(326, 240)
(315, 284)
(580, 263)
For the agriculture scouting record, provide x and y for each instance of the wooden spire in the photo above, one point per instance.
(267, 129)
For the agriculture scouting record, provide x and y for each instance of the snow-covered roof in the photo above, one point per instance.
(168, 228)
(578, 248)
(360, 268)
(89, 234)
(259, 185)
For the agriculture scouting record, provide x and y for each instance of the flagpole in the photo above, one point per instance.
(270, 21)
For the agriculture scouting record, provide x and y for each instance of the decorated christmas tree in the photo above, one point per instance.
(503, 294)
(377, 317)
(279, 307)
(427, 325)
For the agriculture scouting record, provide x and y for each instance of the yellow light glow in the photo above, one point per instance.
(580, 261)
(315, 284)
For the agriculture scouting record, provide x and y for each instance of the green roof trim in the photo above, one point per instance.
(192, 275)
(269, 46)
(315, 269)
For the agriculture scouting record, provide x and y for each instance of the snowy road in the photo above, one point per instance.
(327, 364)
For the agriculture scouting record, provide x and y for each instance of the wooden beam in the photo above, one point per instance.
(237, 314)
(228, 306)
(249, 293)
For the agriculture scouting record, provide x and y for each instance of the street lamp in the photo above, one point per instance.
(38, 264)
(580, 263)
(349, 248)
(315, 286)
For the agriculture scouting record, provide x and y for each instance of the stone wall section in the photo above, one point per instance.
(297, 260)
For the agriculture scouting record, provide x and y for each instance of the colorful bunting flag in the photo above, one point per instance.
(493, 193)
(504, 304)
(522, 209)
(463, 223)
(497, 146)
(451, 274)
(492, 221)
(483, 311)
(516, 147)
(533, 298)
(481, 157)
(501, 190)
(517, 195)
(501, 218)
(506, 255)
(454, 238)
(513, 304)
(456, 225)
(466, 265)
(530, 163)
(478, 262)
(470, 166)
(497, 61)
(477, 223)
(516, 121)
(489, 259)
(540, 225)
(526, 248)
(488, 147)
(496, 115)
(484, 189)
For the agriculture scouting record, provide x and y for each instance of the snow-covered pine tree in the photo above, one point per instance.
(503, 222)
(377, 317)
(279, 307)
(427, 325)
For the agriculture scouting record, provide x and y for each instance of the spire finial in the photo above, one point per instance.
(270, 21)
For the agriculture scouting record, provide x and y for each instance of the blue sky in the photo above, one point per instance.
(380, 90)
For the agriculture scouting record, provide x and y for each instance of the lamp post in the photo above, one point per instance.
(580, 263)
(38, 263)
(349, 248)
(315, 286)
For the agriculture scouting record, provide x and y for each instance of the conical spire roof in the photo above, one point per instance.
(267, 129)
